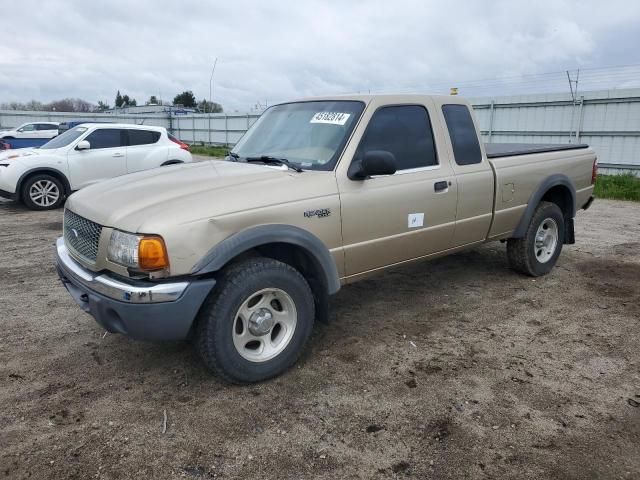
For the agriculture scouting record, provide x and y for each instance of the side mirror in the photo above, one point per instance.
(83, 145)
(375, 162)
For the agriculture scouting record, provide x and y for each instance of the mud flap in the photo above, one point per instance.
(569, 232)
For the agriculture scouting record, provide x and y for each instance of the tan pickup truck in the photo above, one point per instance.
(243, 255)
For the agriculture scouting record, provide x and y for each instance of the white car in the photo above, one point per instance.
(43, 177)
(32, 130)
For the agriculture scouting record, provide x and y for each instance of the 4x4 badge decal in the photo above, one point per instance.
(321, 212)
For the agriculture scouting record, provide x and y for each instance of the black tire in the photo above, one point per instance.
(216, 322)
(522, 252)
(34, 203)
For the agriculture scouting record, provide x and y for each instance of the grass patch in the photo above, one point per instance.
(618, 187)
(210, 151)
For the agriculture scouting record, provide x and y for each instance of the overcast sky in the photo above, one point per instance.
(278, 50)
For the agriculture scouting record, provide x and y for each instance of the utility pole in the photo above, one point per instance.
(213, 70)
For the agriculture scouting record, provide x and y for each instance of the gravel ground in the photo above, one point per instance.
(458, 368)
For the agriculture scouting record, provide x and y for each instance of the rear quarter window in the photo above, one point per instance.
(462, 132)
(143, 137)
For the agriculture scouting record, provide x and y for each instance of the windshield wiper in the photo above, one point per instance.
(233, 155)
(274, 160)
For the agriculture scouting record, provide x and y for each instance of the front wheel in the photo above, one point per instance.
(42, 192)
(537, 252)
(256, 322)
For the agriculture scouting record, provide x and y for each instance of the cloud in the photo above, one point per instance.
(273, 51)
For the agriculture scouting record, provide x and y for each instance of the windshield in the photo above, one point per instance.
(308, 134)
(64, 139)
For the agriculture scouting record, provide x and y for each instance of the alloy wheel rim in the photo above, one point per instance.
(264, 325)
(546, 240)
(44, 193)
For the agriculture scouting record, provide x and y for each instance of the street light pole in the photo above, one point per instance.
(211, 84)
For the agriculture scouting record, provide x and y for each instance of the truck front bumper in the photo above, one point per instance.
(138, 309)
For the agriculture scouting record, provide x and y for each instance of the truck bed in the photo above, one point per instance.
(497, 150)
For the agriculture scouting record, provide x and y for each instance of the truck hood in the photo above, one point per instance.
(143, 202)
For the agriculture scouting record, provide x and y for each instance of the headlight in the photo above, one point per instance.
(141, 252)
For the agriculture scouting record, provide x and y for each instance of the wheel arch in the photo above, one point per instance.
(557, 189)
(43, 170)
(273, 240)
(171, 162)
(286, 243)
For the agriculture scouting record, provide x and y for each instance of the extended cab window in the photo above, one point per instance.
(143, 137)
(464, 139)
(403, 130)
(45, 126)
(105, 138)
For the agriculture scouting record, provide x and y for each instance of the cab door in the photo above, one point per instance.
(394, 218)
(473, 173)
(106, 158)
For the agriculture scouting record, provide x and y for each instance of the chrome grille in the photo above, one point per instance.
(81, 236)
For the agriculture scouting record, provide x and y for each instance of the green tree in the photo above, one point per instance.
(119, 100)
(153, 100)
(102, 106)
(186, 99)
(206, 106)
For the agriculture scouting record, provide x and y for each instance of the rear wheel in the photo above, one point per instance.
(537, 252)
(256, 322)
(42, 192)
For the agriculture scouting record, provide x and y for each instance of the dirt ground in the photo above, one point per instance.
(453, 369)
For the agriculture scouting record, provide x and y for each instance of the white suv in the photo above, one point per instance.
(32, 130)
(42, 177)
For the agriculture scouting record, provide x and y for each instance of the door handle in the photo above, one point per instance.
(117, 155)
(441, 186)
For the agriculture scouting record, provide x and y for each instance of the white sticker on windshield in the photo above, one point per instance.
(334, 118)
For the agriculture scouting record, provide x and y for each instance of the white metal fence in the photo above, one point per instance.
(609, 121)
(13, 118)
(215, 128)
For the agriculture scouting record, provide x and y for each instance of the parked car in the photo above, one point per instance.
(32, 130)
(64, 126)
(243, 255)
(17, 143)
(43, 177)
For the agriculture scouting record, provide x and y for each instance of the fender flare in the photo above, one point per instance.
(36, 170)
(546, 185)
(253, 237)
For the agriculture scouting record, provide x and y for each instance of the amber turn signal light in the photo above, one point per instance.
(152, 254)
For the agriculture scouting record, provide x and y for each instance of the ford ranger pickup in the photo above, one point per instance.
(242, 256)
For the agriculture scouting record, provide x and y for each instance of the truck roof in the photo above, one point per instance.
(388, 98)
